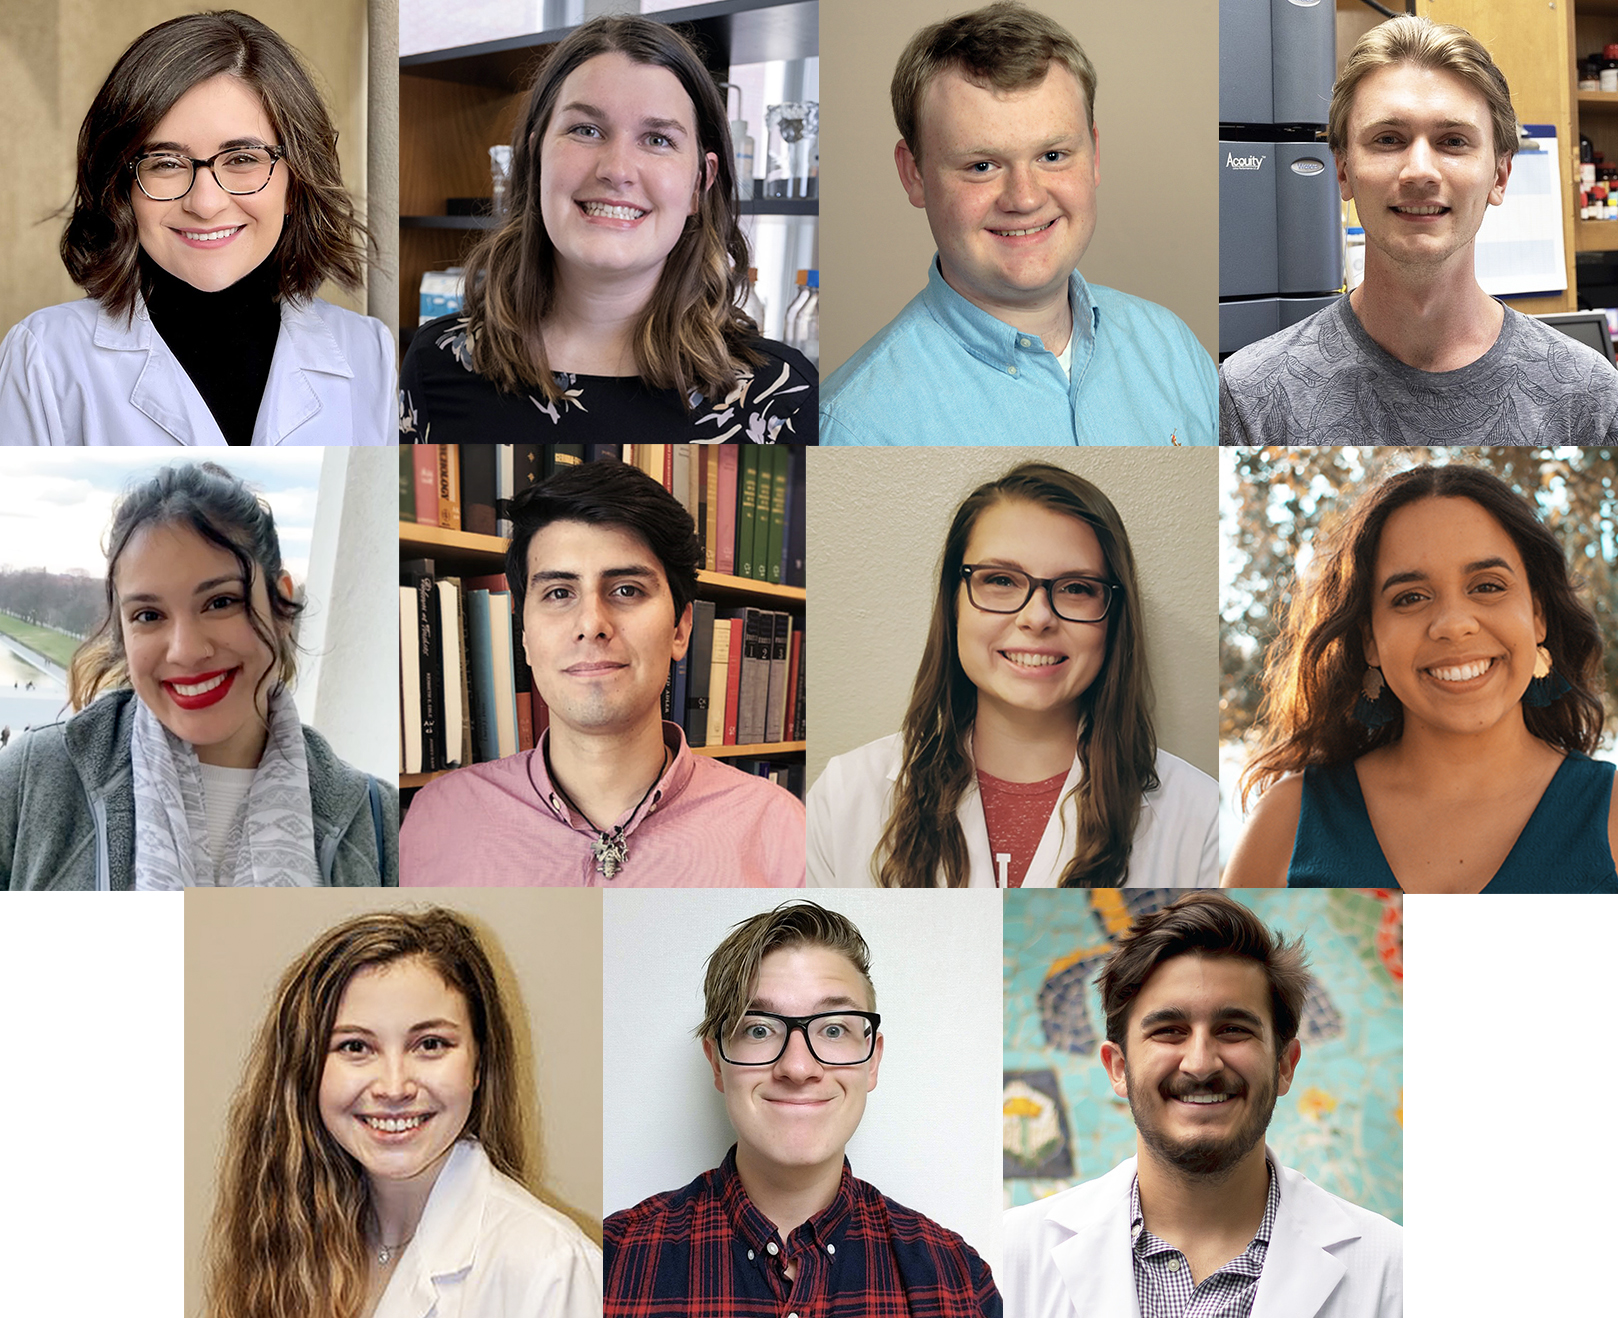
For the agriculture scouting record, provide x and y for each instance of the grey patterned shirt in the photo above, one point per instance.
(1163, 1277)
(1326, 381)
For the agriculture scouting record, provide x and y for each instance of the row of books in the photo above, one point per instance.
(467, 695)
(747, 500)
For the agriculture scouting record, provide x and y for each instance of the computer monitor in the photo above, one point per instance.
(1588, 327)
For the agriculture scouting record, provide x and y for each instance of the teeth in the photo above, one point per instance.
(612, 212)
(200, 687)
(1032, 660)
(1206, 1098)
(393, 1125)
(216, 236)
(1465, 673)
(1021, 233)
(1419, 210)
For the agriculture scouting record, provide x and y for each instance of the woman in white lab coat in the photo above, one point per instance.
(375, 1153)
(1027, 756)
(209, 206)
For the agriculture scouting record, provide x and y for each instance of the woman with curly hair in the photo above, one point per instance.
(209, 207)
(1431, 705)
(1027, 757)
(606, 303)
(376, 1151)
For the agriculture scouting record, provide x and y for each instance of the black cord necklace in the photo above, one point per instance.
(611, 850)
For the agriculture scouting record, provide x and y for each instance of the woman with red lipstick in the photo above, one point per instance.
(377, 1151)
(209, 207)
(1431, 705)
(606, 305)
(1027, 756)
(186, 764)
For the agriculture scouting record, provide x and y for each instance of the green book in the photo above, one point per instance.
(747, 510)
(763, 503)
(779, 463)
(407, 483)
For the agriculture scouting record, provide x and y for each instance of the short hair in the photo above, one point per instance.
(608, 493)
(323, 237)
(732, 970)
(224, 511)
(1205, 924)
(1442, 47)
(1006, 46)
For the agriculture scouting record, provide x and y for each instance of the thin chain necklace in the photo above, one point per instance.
(611, 850)
(385, 1254)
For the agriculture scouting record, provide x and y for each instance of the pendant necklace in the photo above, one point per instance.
(611, 850)
(385, 1254)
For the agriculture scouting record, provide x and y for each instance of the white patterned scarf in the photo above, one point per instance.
(272, 838)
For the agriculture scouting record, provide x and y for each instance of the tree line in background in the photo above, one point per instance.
(69, 601)
(1283, 497)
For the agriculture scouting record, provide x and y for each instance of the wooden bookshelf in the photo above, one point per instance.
(764, 750)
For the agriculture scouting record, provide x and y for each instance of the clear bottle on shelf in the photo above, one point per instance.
(809, 322)
(789, 326)
(754, 304)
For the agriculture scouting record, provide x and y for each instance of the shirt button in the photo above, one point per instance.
(749, 1256)
(1174, 1265)
(831, 1249)
(771, 1247)
(1027, 343)
(1011, 370)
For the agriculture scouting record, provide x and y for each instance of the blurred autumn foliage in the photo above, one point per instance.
(1282, 497)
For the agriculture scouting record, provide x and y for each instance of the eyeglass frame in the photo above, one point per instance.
(277, 154)
(800, 1024)
(1035, 583)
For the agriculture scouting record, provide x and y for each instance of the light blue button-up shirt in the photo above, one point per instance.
(946, 372)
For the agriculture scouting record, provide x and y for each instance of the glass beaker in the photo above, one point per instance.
(794, 128)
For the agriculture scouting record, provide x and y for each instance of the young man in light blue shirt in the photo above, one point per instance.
(1008, 344)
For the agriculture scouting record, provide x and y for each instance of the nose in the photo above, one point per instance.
(189, 642)
(206, 198)
(1037, 615)
(595, 620)
(1454, 618)
(797, 1062)
(1200, 1058)
(615, 161)
(1024, 190)
(394, 1080)
(1420, 162)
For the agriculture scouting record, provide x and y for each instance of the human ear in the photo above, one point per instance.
(910, 175)
(1502, 173)
(1371, 652)
(712, 1054)
(1112, 1057)
(705, 180)
(1343, 185)
(875, 1062)
(1285, 1065)
(682, 633)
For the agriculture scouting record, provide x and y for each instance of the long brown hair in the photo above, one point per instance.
(287, 1238)
(323, 237)
(1315, 668)
(1116, 742)
(690, 336)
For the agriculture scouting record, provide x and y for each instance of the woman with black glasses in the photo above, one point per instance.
(209, 207)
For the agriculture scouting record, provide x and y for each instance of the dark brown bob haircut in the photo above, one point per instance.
(1205, 924)
(323, 237)
(1316, 667)
(1005, 46)
(691, 336)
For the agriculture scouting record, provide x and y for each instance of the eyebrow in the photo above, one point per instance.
(828, 1003)
(1480, 565)
(202, 588)
(1395, 121)
(1013, 563)
(596, 112)
(223, 146)
(1178, 1015)
(438, 1023)
(611, 573)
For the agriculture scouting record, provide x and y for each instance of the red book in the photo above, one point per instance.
(733, 677)
(725, 532)
(791, 721)
(427, 484)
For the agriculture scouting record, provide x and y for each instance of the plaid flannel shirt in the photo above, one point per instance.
(707, 1252)
(1163, 1277)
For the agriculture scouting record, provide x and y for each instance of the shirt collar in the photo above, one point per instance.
(304, 331)
(1146, 1244)
(682, 764)
(757, 1232)
(997, 343)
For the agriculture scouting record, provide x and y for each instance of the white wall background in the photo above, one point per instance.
(931, 1134)
(879, 517)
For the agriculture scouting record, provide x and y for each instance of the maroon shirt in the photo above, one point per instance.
(1016, 814)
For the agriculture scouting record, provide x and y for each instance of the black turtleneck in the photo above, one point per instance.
(224, 340)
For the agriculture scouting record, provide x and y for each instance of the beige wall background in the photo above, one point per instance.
(877, 520)
(546, 950)
(1157, 107)
(54, 56)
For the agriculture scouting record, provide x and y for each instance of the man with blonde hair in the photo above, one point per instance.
(1423, 132)
(1008, 344)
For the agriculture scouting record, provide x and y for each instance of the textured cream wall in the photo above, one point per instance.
(54, 56)
(878, 517)
(1157, 96)
(546, 949)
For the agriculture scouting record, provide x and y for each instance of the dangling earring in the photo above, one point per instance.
(1547, 685)
(1370, 709)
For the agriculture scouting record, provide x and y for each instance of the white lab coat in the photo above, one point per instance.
(75, 374)
(1069, 1256)
(486, 1248)
(1176, 839)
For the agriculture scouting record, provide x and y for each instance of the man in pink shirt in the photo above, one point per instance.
(603, 568)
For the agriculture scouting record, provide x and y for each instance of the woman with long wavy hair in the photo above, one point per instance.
(1027, 756)
(1431, 705)
(376, 1151)
(607, 301)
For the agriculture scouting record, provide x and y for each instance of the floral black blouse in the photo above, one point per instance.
(442, 401)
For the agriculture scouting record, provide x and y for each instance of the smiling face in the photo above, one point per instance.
(194, 659)
(401, 1071)
(1008, 180)
(209, 238)
(798, 1114)
(621, 168)
(1454, 622)
(1199, 1066)
(599, 629)
(1031, 662)
(1420, 165)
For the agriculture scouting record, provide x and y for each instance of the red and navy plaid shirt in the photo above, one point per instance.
(707, 1252)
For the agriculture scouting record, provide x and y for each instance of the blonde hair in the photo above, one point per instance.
(1441, 47)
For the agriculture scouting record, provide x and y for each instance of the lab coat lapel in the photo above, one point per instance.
(1096, 1264)
(305, 344)
(1299, 1272)
(1045, 870)
(446, 1236)
(1046, 867)
(163, 391)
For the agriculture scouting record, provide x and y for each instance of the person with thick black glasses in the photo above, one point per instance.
(782, 1225)
(208, 209)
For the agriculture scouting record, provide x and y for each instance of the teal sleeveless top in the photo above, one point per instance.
(1563, 848)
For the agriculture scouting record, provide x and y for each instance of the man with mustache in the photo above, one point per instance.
(1202, 1005)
